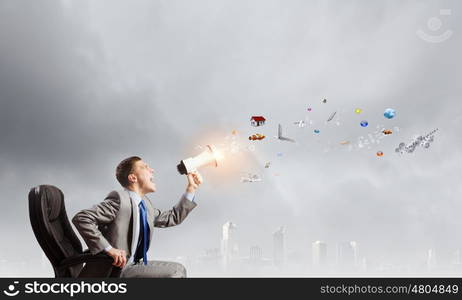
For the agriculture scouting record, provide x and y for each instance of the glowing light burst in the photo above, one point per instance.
(218, 155)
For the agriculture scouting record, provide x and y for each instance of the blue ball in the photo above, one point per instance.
(389, 113)
(364, 123)
(316, 131)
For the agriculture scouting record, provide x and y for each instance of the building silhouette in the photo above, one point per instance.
(319, 254)
(279, 247)
(255, 254)
(229, 245)
(431, 260)
(347, 255)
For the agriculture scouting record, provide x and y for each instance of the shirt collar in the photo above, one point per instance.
(134, 196)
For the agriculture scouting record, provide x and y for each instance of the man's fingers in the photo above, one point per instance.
(194, 180)
(198, 178)
(116, 260)
(119, 257)
(124, 259)
(121, 261)
(191, 177)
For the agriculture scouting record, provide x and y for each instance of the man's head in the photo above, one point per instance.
(133, 173)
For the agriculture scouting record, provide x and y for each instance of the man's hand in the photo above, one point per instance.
(194, 180)
(119, 256)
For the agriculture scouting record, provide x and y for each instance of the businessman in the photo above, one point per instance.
(122, 225)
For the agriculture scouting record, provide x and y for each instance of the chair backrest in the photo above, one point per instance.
(52, 229)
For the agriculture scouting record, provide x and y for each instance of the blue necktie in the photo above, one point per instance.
(142, 248)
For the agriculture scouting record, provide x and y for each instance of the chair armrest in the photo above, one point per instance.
(84, 258)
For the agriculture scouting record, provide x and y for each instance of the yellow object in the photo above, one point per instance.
(358, 110)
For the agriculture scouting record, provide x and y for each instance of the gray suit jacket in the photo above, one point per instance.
(111, 222)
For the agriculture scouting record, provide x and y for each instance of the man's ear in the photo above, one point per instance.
(132, 178)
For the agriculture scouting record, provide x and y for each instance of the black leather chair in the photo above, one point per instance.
(55, 235)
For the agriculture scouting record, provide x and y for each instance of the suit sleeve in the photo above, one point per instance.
(87, 222)
(174, 216)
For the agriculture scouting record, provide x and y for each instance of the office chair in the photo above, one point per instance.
(58, 240)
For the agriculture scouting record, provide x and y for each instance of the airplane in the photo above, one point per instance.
(251, 178)
(281, 138)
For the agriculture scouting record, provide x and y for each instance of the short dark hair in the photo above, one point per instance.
(124, 168)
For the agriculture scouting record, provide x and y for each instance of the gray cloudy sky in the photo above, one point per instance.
(84, 84)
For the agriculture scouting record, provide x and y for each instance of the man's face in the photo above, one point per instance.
(144, 177)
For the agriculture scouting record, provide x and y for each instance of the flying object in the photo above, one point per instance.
(256, 137)
(281, 138)
(303, 123)
(251, 178)
(300, 123)
(331, 116)
(424, 141)
(387, 131)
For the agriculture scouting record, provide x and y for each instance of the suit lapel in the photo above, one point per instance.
(150, 213)
(136, 225)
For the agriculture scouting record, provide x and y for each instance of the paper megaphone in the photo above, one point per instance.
(208, 157)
